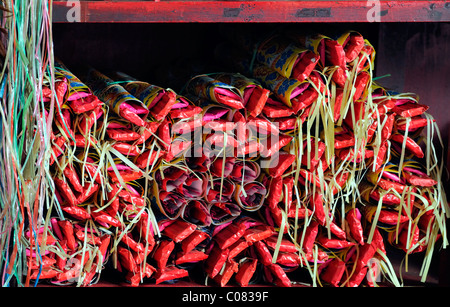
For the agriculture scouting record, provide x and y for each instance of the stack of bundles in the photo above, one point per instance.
(301, 163)
(356, 145)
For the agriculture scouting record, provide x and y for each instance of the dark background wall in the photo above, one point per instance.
(417, 57)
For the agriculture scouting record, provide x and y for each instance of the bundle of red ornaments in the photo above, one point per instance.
(307, 165)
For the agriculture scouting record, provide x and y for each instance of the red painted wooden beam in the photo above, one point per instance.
(250, 11)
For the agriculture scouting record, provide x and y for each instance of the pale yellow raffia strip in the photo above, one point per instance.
(283, 225)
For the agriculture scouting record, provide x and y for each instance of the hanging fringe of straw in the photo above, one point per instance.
(26, 64)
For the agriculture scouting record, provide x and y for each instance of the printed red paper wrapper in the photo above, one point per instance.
(89, 120)
(390, 217)
(410, 144)
(258, 233)
(330, 51)
(117, 98)
(253, 94)
(122, 134)
(334, 243)
(77, 94)
(310, 237)
(366, 57)
(384, 105)
(223, 212)
(171, 178)
(171, 203)
(388, 198)
(66, 192)
(353, 218)
(61, 87)
(279, 276)
(274, 109)
(58, 147)
(179, 230)
(272, 145)
(353, 43)
(104, 218)
(229, 235)
(318, 207)
(191, 257)
(219, 190)
(64, 268)
(135, 278)
(198, 213)
(158, 100)
(245, 171)
(225, 275)
(184, 108)
(357, 277)
(148, 159)
(77, 212)
(414, 123)
(170, 273)
(313, 151)
(238, 248)
(163, 252)
(280, 164)
(275, 191)
(206, 87)
(287, 58)
(193, 240)
(418, 178)
(333, 272)
(221, 167)
(409, 109)
(144, 228)
(293, 93)
(251, 197)
(245, 272)
(217, 258)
